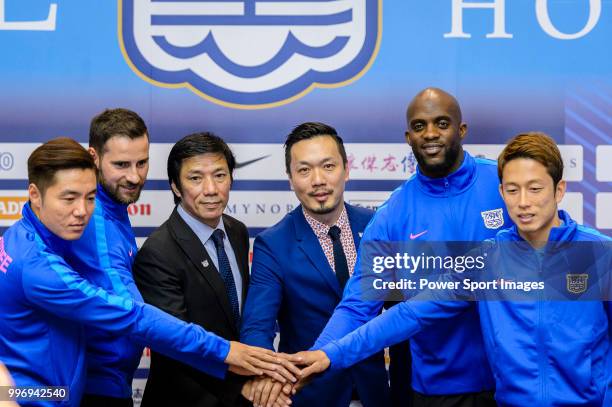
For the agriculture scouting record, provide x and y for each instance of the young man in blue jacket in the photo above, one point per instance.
(542, 353)
(47, 305)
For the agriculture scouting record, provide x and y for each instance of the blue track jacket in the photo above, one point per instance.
(448, 358)
(542, 353)
(104, 255)
(47, 306)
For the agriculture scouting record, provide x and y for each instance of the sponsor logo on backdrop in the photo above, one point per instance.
(378, 164)
(242, 164)
(139, 209)
(7, 161)
(259, 208)
(11, 206)
(250, 53)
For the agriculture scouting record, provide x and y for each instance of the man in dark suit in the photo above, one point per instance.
(195, 266)
(300, 267)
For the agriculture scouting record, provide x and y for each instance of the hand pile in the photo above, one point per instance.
(278, 375)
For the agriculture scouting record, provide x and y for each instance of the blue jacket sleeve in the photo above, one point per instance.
(51, 284)
(264, 298)
(350, 313)
(353, 311)
(393, 326)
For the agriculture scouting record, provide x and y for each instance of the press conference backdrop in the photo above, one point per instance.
(250, 70)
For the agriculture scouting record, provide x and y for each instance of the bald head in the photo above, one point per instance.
(434, 97)
(435, 132)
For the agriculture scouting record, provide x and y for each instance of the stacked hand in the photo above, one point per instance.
(268, 392)
(264, 391)
(248, 360)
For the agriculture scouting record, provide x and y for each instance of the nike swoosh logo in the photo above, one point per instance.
(254, 160)
(412, 237)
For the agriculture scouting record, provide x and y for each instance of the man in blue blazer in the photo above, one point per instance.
(300, 267)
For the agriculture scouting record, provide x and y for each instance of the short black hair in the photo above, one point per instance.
(115, 122)
(194, 145)
(308, 130)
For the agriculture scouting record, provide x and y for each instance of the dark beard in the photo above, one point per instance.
(115, 193)
(451, 155)
(322, 210)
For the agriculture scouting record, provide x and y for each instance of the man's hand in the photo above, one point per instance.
(266, 392)
(248, 360)
(315, 362)
(5, 380)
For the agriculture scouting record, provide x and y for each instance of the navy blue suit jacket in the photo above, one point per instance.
(293, 283)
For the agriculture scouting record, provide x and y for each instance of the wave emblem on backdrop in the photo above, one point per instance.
(250, 53)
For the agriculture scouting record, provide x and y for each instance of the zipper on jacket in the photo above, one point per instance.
(541, 347)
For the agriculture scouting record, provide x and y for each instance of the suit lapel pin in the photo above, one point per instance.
(204, 263)
(360, 234)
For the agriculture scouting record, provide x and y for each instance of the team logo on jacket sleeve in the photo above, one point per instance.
(250, 53)
(493, 219)
(577, 283)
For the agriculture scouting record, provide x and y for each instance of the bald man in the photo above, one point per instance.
(452, 197)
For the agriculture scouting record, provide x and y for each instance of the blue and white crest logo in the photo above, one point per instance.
(250, 53)
(577, 283)
(493, 219)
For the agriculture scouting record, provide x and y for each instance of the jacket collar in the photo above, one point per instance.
(109, 205)
(357, 224)
(194, 250)
(566, 232)
(309, 244)
(54, 242)
(454, 183)
(202, 230)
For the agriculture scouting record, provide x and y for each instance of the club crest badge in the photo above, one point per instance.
(250, 53)
(493, 219)
(577, 283)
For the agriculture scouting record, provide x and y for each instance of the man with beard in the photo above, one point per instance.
(300, 268)
(119, 144)
(48, 305)
(452, 197)
(547, 346)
